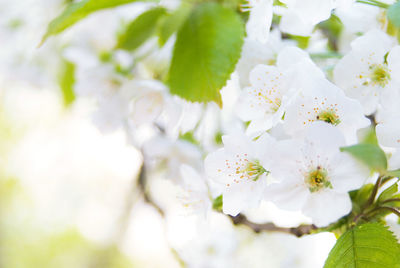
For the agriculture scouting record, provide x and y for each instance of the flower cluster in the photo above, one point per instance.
(298, 120)
(311, 78)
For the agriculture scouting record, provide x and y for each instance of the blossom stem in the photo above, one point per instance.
(373, 194)
(393, 210)
(390, 200)
(373, 3)
(326, 55)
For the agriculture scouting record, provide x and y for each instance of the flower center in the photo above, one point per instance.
(251, 170)
(317, 179)
(329, 116)
(270, 97)
(380, 75)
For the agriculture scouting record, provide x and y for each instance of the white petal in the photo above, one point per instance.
(325, 207)
(347, 174)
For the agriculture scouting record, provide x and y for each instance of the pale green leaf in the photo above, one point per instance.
(172, 23)
(388, 192)
(218, 203)
(67, 81)
(394, 173)
(206, 51)
(370, 245)
(141, 29)
(393, 14)
(370, 154)
(77, 11)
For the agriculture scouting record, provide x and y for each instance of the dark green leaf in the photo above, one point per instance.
(141, 29)
(206, 51)
(393, 14)
(172, 23)
(369, 154)
(370, 245)
(78, 11)
(67, 81)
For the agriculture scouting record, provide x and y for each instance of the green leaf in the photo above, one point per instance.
(369, 136)
(217, 203)
(370, 245)
(360, 197)
(141, 29)
(388, 192)
(206, 51)
(332, 28)
(370, 154)
(189, 137)
(67, 82)
(393, 14)
(394, 173)
(78, 11)
(172, 23)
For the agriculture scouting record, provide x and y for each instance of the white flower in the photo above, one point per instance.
(300, 16)
(241, 169)
(272, 88)
(214, 245)
(314, 175)
(260, 19)
(165, 155)
(147, 102)
(195, 196)
(323, 101)
(360, 17)
(366, 71)
(254, 53)
(388, 118)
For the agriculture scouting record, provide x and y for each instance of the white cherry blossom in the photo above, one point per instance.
(369, 69)
(300, 16)
(260, 19)
(323, 101)
(273, 87)
(194, 197)
(314, 175)
(241, 169)
(388, 118)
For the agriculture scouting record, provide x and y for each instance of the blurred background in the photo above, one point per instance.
(69, 173)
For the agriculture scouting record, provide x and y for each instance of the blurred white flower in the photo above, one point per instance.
(195, 196)
(300, 16)
(260, 19)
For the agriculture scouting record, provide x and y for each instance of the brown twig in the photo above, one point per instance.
(142, 185)
(299, 231)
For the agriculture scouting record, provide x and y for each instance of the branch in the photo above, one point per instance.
(299, 231)
(142, 184)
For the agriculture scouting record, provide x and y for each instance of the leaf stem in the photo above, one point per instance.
(373, 3)
(373, 194)
(393, 210)
(390, 200)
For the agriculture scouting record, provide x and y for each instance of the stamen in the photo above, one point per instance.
(317, 179)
